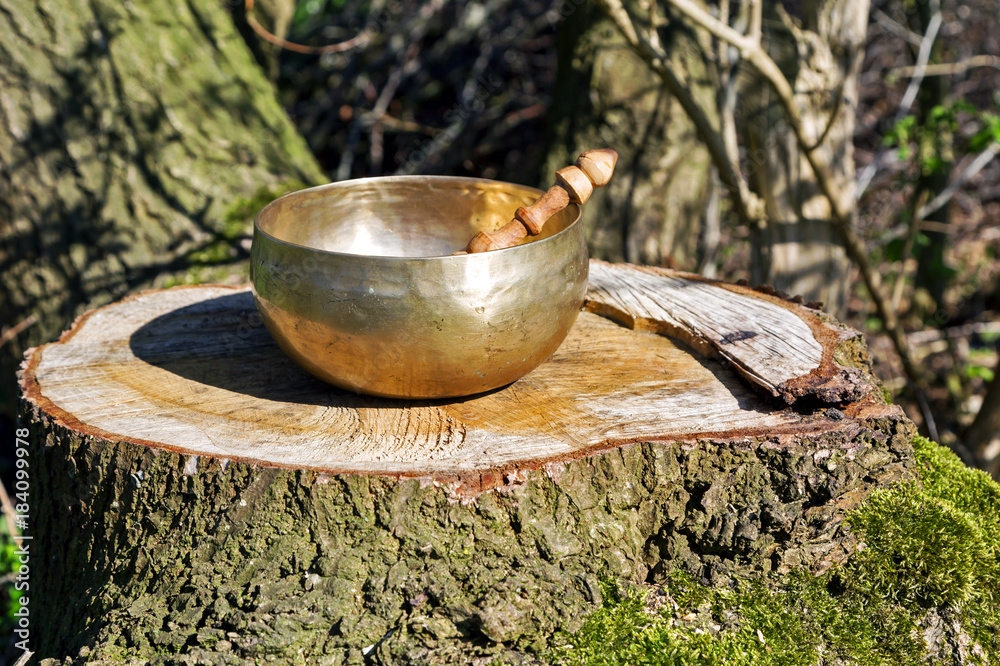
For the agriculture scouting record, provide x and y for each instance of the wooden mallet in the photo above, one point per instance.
(574, 184)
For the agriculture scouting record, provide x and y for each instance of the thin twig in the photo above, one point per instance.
(977, 165)
(727, 105)
(965, 330)
(360, 39)
(911, 237)
(948, 68)
(381, 105)
(925, 410)
(398, 124)
(8, 513)
(923, 56)
(895, 27)
(715, 26)
(654, 21)
(17, 329)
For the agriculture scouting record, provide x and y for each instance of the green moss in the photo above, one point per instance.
(972, 491)
(799, 622)
(238, 219)
(220, 258)
(977, 497)
(930, 549)
(9, 595)
(920, 550)
(623, 632)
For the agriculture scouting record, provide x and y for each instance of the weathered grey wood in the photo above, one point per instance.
(783, 347)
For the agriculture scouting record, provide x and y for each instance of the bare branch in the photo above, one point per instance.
(932, 335)
(977, 165)
(715, 26)
(923, 55)
(756, 21)
(948, 68)
(17, 329)
(654, 21)
(360, 39)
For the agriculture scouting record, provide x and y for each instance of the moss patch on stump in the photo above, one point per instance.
(924, 585)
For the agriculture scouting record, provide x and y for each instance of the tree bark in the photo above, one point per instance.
(605, 95)
(127, 132)
(226, 507)
(820, 52)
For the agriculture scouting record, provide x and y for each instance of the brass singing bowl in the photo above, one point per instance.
(356, 283)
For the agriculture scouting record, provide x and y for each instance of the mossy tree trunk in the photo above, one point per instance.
(126, 133)
(225, 507)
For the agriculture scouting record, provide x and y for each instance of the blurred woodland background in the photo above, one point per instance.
(835, 150)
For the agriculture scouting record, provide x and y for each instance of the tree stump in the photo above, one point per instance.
(195, 493)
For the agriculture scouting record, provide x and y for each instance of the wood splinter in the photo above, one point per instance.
(574, 184)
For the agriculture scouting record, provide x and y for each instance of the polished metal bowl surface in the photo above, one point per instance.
(357, 283)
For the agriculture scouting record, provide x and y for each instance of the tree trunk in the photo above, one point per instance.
(225, 506)
(820, 54)
(605, 95)
(127, 133)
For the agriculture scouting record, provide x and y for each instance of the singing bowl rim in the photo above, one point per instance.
(346, 184)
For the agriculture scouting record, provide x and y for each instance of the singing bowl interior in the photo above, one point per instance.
(418, 216)
(357, 284)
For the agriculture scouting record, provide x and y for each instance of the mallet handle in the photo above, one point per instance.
(574, 184)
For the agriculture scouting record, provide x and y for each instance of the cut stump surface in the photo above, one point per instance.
(194, 371)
